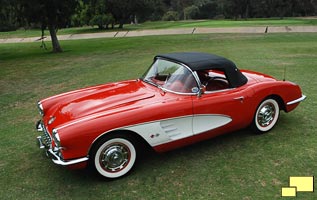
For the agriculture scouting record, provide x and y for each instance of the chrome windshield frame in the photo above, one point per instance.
(193, 73)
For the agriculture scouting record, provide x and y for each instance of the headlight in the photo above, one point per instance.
(40, 107)
(56, 138)
(57, 142)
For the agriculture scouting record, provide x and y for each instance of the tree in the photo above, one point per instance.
(80, 17)
(180, 5)
(237, 8)
(127, 10)
(191, 12)
(306, 7)
(102, 20)
(121, 10)
(170, 16)
(51, 14)
(8, 15)
(155, 9)
(99, 15)
(210, 9)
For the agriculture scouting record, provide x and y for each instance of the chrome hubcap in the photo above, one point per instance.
(266, 115)
(114, 157)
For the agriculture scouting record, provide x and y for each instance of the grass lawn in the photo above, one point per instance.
(171, 24)
(239, 165)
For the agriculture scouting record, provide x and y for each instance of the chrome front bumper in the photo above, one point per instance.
(39, 142)
(53, 154)
(302, 98)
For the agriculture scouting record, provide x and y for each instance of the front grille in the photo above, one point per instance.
(46, 138)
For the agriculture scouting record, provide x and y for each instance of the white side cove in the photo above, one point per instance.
(160, 132)
(203, 123)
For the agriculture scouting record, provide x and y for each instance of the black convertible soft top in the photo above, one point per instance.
(203, 61)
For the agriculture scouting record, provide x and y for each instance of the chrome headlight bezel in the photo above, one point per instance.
(56, 138)
(40, 107)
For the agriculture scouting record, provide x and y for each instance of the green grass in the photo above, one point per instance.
(239, 165)
(225, 23)
(172, 24)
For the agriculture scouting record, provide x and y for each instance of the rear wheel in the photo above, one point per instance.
(114, 157)
(266, 116)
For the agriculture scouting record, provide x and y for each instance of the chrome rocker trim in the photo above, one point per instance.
(297, 100)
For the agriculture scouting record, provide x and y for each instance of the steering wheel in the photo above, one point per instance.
(167, 77)
(205, 83)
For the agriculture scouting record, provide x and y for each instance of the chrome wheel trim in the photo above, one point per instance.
(115, 158)
(267, 115)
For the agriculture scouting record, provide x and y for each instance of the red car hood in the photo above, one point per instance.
(92, 100)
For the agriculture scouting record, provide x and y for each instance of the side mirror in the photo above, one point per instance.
(202, 90)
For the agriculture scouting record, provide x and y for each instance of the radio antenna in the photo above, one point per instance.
(284, 73)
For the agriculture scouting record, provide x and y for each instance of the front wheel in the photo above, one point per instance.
(114, 157)
(266, 116)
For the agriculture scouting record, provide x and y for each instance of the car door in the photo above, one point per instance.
(216, 109)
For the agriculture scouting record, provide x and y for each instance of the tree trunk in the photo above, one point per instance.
(135, 20)
(121, 23)
(55, 43)
(246, 15)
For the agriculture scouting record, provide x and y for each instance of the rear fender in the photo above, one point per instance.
(283, 91)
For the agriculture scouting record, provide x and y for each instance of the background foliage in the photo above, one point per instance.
(134, 11)
(56, 14)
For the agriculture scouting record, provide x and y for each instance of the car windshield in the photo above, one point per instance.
(171, 76)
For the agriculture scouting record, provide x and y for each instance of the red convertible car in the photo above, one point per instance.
(183, 98)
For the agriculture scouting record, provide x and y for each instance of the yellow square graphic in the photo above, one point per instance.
(288, 191)
(303, 184)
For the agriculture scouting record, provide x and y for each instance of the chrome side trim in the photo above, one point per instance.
(297, 100)
(180, 93)
(125, 128)
(57, 160)
(223, 90)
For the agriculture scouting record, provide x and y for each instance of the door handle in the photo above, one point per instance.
(241, 98)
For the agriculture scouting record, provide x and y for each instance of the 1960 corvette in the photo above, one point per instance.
(182, 98)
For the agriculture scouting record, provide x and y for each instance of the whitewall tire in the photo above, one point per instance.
(114, 157)
(266, 116)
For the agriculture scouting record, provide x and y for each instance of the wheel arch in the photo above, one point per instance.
(279, 100)
(281, 91)
(141, 142)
